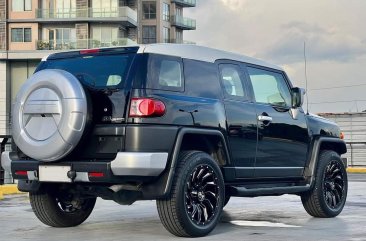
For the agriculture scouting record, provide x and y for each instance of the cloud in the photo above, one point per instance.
(323, 44)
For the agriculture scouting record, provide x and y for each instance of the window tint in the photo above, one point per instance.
(201, 79)
(96, 71)
(165, 73)
(230, 78)
(269, 87)
(170, 74)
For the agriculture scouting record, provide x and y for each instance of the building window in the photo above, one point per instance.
(149, 10)
(105, 8)
(179, 11)
(166, 12)
(21, 35)
(104, 36)
(179, 36)
(166, 35)
(148, 34)
(21, 5)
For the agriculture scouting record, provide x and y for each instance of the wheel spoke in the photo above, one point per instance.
(209, 204)
(201, 194)
(199, 211)
(205, 214)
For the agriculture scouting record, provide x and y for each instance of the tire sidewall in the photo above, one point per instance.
(196, 160)
(319, 186)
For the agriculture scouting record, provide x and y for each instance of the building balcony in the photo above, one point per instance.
(185, 3)
(124, 15)
(178, 41)
(183, 23)
(82, 44)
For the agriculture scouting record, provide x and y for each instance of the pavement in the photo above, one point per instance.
(262, 218)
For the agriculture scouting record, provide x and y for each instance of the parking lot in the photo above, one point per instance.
(263, 218)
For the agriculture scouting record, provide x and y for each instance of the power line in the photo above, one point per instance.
(339, 87)
(333, 102)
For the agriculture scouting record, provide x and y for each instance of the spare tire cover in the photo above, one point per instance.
(49, 115)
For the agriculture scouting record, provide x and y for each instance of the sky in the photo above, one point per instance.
(275, 31)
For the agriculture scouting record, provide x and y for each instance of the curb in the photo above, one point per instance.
(8, 189)
(356, 169)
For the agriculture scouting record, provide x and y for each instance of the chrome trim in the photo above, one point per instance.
(264, 118)
(139, 163)
(6, 161)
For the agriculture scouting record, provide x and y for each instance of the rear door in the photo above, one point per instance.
(283, 138)
(241, 118)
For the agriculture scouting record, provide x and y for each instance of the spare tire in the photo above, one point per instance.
(49, 115)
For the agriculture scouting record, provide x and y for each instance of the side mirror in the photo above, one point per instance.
(297, 97)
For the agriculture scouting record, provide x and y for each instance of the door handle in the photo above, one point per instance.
(263, 118)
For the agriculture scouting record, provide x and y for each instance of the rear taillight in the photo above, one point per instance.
(145, 107)
(89, 51)
(21, 173)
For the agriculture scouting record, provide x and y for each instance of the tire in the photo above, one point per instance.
(53, 212)
(227, 199)
(329, 193)
(195, 203)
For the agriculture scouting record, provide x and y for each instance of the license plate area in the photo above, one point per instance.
(54, 173)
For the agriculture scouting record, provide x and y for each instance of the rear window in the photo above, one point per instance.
(96, 71)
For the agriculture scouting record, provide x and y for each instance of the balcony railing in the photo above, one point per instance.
(185, 3)
(183, 23)
(178, 41)
(81, 44)
(121, 12)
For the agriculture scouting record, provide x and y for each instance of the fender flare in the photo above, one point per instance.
(161, 188)
(310, 167)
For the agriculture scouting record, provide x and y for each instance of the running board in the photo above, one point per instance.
(240, 191)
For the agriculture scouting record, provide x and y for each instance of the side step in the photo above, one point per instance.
(240, 191)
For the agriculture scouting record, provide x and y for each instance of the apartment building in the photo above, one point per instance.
(31, 29)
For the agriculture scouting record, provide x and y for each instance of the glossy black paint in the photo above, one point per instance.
(256, 152)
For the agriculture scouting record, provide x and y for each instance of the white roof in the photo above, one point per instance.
(190, 51)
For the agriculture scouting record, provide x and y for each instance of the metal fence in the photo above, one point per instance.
(353, 126)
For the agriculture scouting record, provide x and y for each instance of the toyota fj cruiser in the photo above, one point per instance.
(186, 125)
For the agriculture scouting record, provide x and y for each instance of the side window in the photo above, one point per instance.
(170, 74)
(201, 79)
(269, 87)
(165, 73)
(231, 80)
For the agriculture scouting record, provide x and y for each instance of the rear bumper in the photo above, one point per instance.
(126, 165)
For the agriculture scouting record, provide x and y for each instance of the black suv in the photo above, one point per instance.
(186, 125)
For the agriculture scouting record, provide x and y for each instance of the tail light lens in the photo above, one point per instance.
(145, 107)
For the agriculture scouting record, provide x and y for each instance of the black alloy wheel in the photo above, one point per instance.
(57, 209)
(194, 205)
(202, 195)
(328, 194)
(333, 184)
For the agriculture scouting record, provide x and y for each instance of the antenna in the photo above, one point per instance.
(306, 81)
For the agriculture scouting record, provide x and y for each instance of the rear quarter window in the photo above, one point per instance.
(165, 73)
(201, 79)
